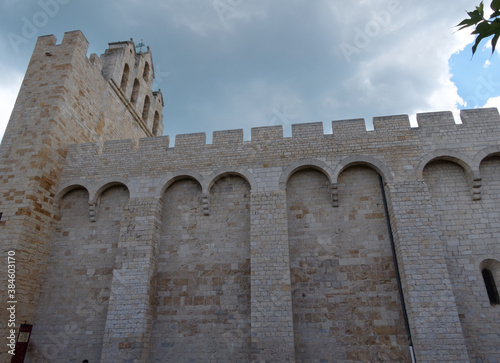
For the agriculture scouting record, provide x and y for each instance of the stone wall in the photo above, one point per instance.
(323, 279)
(202, 305)
(75, 292)
(471, 237)
(346, 303)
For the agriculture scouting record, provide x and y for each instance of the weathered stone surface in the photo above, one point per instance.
(345, 294)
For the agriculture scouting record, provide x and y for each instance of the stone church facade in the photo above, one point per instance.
(354, 246)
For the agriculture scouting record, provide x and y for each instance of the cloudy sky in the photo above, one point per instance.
(229, 64)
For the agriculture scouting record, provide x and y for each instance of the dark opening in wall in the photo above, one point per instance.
(155, 123)
(145, 74)
(135, 91)
(125, 76)
(491, 287)
(145, 109)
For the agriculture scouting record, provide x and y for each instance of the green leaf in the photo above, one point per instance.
(480, 9)
(465, 23)
(494, 42)
(474, 18)
(475, 15)
(483, 30)
(478, 40)
(495, 5)
(495, 28)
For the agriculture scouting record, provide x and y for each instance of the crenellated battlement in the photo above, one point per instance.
(479, 116)
(190, 140)
(385, 127)
(348, 129)
(267, 133)
(391, 124)
(436, 119)
(227, 137)
(75, 39)
(307, 130)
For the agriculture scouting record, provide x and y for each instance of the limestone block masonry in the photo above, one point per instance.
(355, 246)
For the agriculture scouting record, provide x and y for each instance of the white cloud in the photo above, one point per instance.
(493, 102)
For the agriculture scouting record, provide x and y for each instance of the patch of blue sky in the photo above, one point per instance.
(477, 77)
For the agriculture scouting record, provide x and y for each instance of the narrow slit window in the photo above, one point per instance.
(491, 287)
(155, 123)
